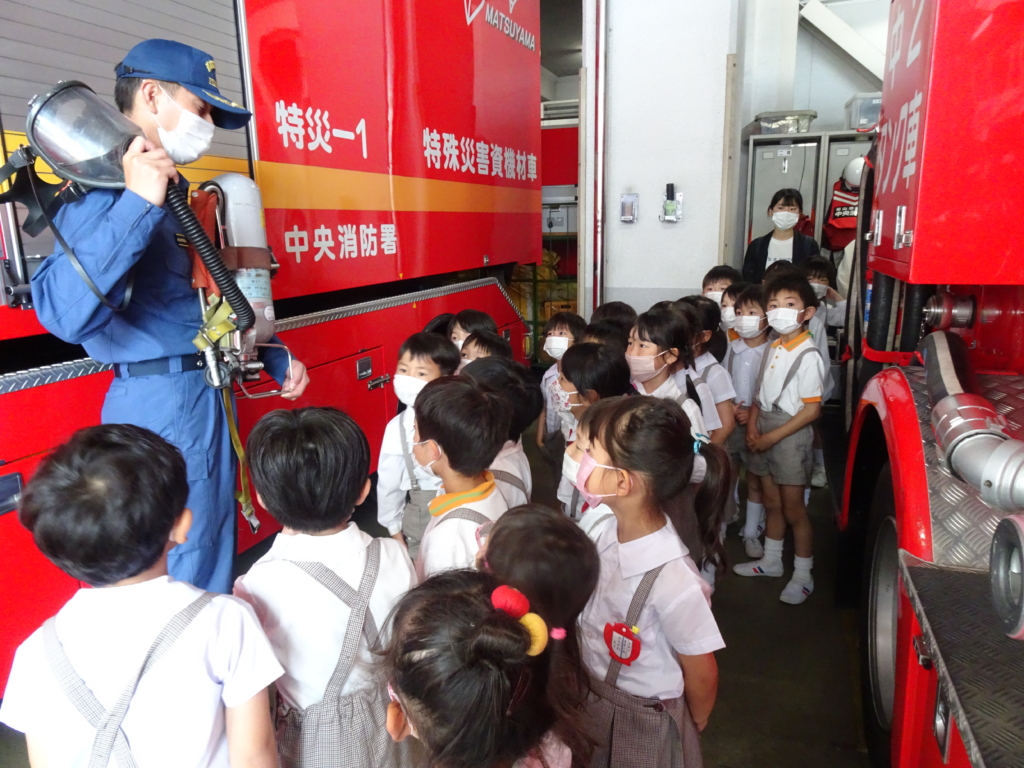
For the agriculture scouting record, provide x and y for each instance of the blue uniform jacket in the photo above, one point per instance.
(111, 231)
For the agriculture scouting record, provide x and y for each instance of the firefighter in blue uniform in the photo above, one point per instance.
(126, 239)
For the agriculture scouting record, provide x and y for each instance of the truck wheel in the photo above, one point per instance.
(879, 604)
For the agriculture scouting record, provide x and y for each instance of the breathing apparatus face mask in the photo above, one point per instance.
(190, 139)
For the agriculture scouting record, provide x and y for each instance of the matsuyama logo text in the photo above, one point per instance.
(500, 21)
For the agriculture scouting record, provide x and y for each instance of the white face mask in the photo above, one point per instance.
(728, 317)
(428, 467)
(715, 296)
(407, 387)
(748, 326)
(570, 468)
(555, 346)
(784, 319)
(190, 139)
(785, 219)
(819, 290)
(458, 344)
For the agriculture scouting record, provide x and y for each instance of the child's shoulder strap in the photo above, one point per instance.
(474, 516)
(636, 607)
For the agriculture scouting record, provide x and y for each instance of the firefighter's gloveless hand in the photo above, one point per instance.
(296, 381)
(147, 170)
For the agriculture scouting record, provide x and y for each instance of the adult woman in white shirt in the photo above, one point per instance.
(783, 243)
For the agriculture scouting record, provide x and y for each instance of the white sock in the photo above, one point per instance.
(807, 496)
(819, 457)
(736, 492)
(755, 517)
(802, 569)
(772, 551)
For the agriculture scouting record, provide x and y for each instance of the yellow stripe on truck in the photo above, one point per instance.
(303, 187)
(204, 169)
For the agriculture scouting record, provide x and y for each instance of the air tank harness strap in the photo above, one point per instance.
(889, 358)
(244, 497)
(217, 323)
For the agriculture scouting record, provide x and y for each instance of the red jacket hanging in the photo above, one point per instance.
(841, 223)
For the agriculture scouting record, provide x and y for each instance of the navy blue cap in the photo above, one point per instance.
(192, 69)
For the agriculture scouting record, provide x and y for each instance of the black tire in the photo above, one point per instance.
(879, 600)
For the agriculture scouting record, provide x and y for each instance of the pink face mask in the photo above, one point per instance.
(587, 467)
(642, 368)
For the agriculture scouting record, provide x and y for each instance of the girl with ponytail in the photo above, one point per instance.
(469, 670)
(648, 633)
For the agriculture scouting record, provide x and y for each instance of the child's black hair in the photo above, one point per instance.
(461, 672)
(733, 291)
(780, 267)
(651, 436)
(434, 347)
(752, 294)
(439, 324)
(549, 558)
(570, 321)
(309, 466)
(471, 321)
(513, 382)
(709, 318)
(102, 506)
(597, 368)
(819, 267)
(794, 282)
(617, 312)
(606, 332)
(668, 328)
(721, 272)
(490, 344)
(787, 197)
(468, 422)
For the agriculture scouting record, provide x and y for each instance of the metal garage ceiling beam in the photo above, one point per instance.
(832, 28)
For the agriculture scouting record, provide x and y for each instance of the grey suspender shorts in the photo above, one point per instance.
(417, 510)
(634, 731)
(791, 460)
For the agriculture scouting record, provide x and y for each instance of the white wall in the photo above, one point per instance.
(665, 111)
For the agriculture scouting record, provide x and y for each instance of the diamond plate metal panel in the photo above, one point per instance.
(963, 524)
(980, 669)
(50, 374)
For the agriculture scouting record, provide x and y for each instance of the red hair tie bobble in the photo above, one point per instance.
(514, 603)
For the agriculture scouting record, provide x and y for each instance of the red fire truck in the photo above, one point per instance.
(396, 145)
(935, 392)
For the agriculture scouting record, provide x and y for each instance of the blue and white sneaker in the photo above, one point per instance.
(796, 592)
(759, 568)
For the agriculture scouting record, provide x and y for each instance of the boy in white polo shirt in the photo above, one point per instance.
(779, 433)
(325, 589)
(403, 489)
(460, 428)
(142, 668)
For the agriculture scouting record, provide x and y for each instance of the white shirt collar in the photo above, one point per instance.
(704, 361)
(303, 546)
(509, 448)
(667, 390)
(646, 553)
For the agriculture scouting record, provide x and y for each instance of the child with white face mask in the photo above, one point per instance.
(469, 321)
(460, 429)
(729, 296)
(779, 435)
(403, 488)
(561, 331)
(743, 361)
(717, 280)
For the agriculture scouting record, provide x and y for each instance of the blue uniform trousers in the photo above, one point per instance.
(181, 408)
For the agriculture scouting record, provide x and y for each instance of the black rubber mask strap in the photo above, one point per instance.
(78, 265)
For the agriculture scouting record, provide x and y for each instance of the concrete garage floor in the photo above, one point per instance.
(787, 696)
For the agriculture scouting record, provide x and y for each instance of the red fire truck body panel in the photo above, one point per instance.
(951, 114)
(409, 153)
